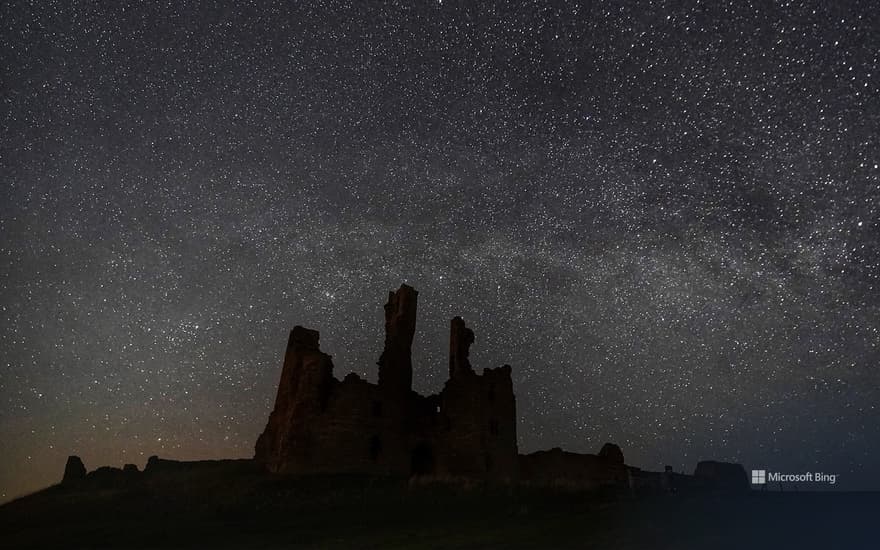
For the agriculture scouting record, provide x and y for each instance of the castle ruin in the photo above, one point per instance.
(322, 425)
(467, 432)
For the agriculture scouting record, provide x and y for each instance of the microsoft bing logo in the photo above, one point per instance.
(759, 477)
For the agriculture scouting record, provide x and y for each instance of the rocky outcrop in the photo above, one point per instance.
(74, 469)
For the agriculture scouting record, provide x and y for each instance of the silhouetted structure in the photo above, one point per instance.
(722, 475)
(466, 432)
(574, 471)
(74, 469)
(320, 424)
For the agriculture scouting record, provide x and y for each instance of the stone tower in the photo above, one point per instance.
(303, 394)
(395, 363)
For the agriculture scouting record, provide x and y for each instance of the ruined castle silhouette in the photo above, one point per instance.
(467, 432)
(320, 424)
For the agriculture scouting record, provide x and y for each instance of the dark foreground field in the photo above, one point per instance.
(260, 512)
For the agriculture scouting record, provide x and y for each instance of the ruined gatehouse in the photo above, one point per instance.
(323, 425)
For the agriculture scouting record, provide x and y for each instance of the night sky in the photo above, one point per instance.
(663, 216)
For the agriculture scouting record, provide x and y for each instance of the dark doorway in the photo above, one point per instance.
(422, 460)
(375, 448)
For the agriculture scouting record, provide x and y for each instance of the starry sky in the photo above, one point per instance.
(664, 216)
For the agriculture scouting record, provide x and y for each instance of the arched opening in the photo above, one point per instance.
(422, 462)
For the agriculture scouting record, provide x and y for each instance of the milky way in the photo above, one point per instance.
(664, 217)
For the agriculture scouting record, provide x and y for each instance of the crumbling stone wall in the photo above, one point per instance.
(478, 417)
(562, 469)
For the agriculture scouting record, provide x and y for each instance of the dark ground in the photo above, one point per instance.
(257, 512)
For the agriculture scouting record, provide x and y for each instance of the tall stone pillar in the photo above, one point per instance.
(395, 363)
